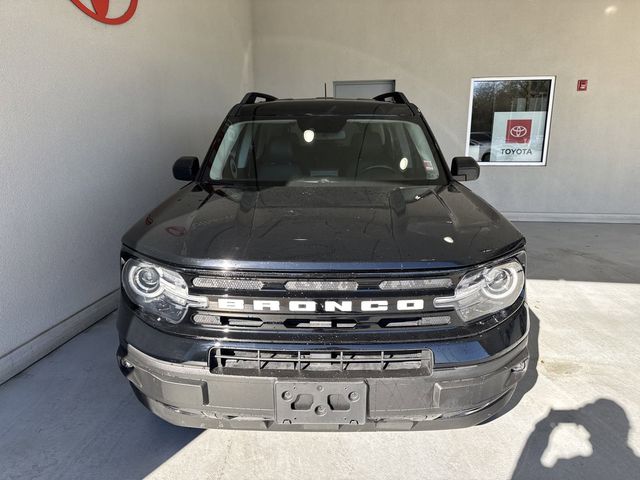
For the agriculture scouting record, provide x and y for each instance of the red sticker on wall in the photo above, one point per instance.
(518, 131)
(100, 11)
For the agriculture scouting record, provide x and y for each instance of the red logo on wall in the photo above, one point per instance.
(518, 131)
(100, 11)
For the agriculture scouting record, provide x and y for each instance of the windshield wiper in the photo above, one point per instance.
(421, 195)
(228, 183)
(316, 180)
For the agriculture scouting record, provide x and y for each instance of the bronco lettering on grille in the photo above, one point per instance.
(402, 305)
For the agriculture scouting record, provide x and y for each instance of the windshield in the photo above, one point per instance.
(324, 150)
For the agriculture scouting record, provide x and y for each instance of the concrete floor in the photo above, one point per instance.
(576, 415)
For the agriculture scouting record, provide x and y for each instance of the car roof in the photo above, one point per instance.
(322, 106)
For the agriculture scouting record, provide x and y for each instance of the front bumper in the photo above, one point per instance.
(452, 395)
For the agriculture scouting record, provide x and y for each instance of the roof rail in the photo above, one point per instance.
(251, 97)
(393, 97)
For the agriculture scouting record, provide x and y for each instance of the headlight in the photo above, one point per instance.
(485, 291)
(158, 291)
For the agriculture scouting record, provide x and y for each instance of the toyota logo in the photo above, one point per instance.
(518, 131)
(100, 11)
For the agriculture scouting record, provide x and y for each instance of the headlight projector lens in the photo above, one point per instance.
(146, 280)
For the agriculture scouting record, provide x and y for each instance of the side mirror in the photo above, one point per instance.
(186, 168)
(464, 169)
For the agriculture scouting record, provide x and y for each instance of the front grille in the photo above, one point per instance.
(310, 302)
(223, 359)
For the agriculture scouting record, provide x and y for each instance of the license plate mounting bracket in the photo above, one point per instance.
(318, 402)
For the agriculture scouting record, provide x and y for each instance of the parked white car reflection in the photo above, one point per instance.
(481, 140)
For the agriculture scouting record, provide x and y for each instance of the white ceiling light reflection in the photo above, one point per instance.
(448, 239)
(309, 135)
(404, 163)
(611, 10)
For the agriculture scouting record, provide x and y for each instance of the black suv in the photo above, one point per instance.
(324, 269)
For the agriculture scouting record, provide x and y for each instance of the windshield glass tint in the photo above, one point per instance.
(326, 149)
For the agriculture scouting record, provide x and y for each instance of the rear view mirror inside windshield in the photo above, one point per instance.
(320, 124)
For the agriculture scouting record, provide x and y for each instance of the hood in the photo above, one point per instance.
(324, 228)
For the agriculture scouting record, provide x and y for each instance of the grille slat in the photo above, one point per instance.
(320, 286)
(268, 322)
(227, 283)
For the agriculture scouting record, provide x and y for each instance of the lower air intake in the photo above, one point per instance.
(228, 359)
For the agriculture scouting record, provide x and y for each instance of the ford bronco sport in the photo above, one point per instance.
(324, 269)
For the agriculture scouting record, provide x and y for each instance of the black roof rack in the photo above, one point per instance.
(392, 97)
(261, 104)
(251, 97)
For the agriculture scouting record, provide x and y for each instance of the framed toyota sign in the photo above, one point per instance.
(509, 120)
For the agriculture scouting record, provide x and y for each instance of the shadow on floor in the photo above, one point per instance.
(608, 428)
(74, 416)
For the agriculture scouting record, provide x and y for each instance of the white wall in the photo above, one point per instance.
(434, 47)
(92, 117)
